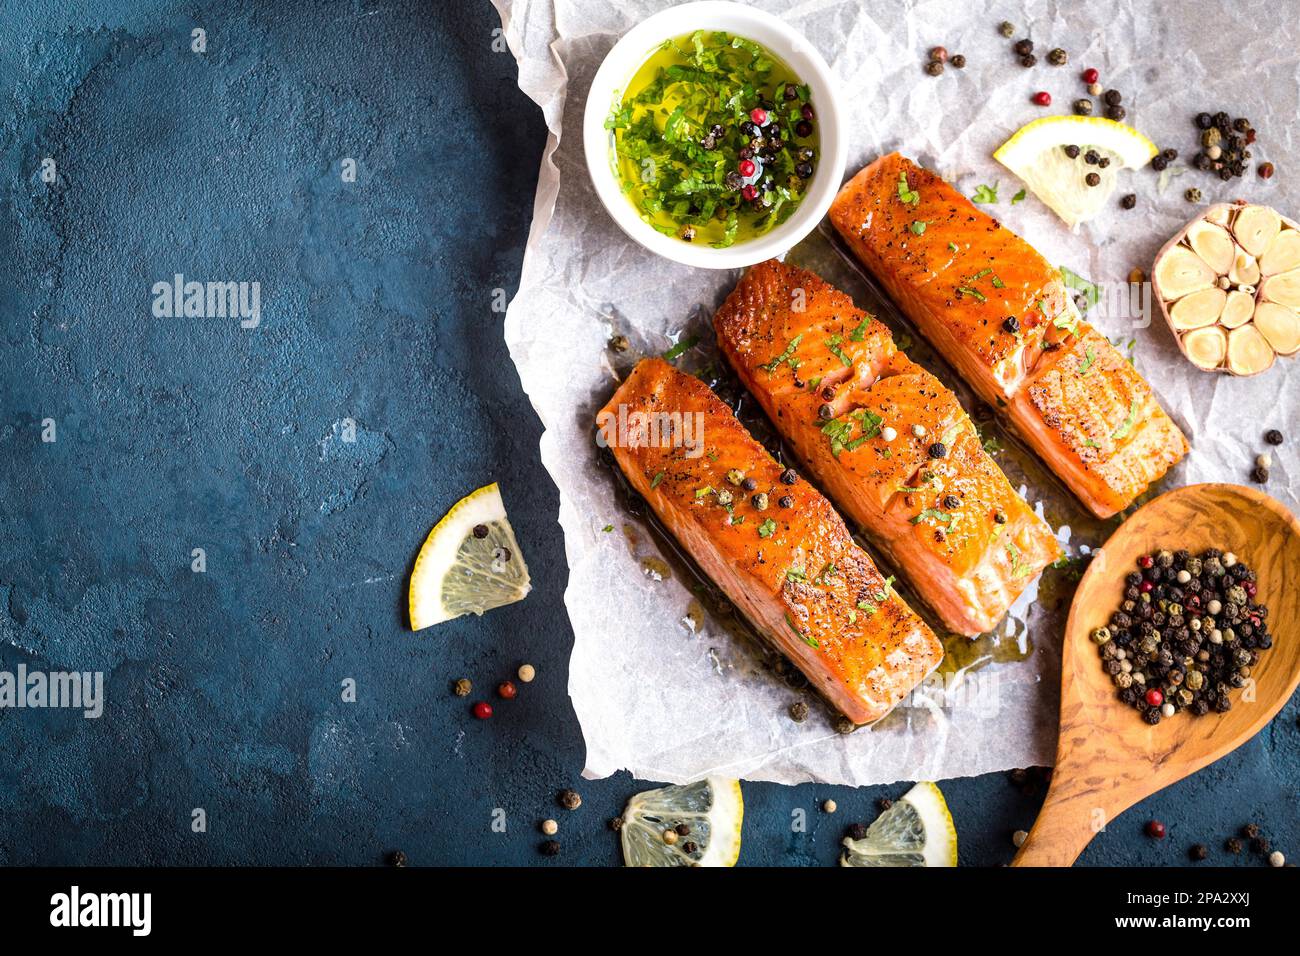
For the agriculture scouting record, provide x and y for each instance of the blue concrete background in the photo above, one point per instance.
(224, 687)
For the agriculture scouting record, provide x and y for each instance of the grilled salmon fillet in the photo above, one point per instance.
(1003, 316)
(792, 569)
(887, 441)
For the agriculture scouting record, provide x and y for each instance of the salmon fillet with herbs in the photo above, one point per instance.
(889, 443)
(769, 540)
(1002, 315)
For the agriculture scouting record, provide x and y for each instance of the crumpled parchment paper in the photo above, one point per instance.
(661, 688)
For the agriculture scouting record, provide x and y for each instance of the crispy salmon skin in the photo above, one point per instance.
(791, 568)
(1001, 314)
(887, 441)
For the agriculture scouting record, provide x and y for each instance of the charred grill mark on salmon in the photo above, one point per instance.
(1004, 318)
(793, 570)
(887, 441)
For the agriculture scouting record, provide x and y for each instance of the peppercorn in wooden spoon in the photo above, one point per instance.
(1107, 757)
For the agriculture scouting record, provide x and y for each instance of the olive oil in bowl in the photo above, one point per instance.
(714, 139)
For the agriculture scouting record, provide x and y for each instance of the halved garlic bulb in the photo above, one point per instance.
(1229, 286)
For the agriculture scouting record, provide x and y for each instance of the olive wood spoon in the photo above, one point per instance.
(1107, 757)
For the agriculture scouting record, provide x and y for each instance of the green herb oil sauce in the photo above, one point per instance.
(675, 173)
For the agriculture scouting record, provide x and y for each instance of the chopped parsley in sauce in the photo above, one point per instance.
(715, 139)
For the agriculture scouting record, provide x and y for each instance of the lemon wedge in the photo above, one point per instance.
(709, 811)
(470, 563)
(1036, 153)
(915, 831)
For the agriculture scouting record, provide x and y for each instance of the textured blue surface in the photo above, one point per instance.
(224, 688)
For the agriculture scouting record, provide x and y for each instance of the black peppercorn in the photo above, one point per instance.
(1260, 845)
(1112, 98)
(1259, 475)
(1024, 47)
(615, 824)
(550, 848)
(1028, 61)
(1273, 436)
(1204, 120)
(1092, 179)
(749, 484)
(951, 501)
(999, 518)
(857, 831)
(1233, 845)
(1116, 113)
(397, 858)
(937, 450)
(1091, 157)
(1159, 163)
(569, 799)
(958, 61)
(785, 501)
(789, 477)
(934, 68)
(1072, 151)
(1129, 201)
(1011, 324)
(1198, 852)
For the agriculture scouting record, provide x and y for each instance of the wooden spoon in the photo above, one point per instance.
(1107, 757)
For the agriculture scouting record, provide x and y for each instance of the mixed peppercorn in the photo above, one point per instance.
(1186, 634)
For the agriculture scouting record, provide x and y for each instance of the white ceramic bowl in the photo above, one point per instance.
(787, 44)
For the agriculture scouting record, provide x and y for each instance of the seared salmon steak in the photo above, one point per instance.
(887, 441)
(1003, 316)
(769, 540)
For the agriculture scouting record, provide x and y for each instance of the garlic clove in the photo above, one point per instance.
(1206, 347)
(1283, 253)
(1238, 309)
(1213, 244)
(1255, 228)
(1283, 289)
(1248, 351)
(1245, 270)
(1198, 309)
(1218, 214)
(1181, 272)
(1280, 327)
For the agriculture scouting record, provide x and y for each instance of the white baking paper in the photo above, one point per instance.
(668, 693)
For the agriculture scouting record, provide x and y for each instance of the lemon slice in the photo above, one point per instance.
(470, 563)
(915, 831)
(711, 810)
(1036, 153)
